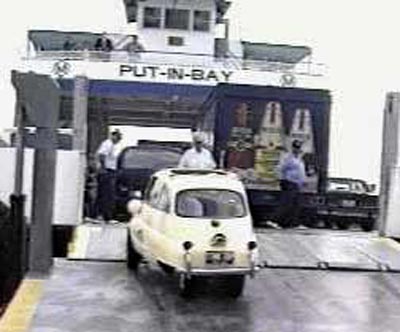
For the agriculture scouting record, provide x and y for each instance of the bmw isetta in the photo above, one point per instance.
(197, 224)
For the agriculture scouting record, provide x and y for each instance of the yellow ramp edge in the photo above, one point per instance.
(21, 309)
(390, 242)
(80, 240)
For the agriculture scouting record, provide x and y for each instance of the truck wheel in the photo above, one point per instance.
(186, 285)
(133, 258)
(367, 225)
(342, 224)
(235, 285)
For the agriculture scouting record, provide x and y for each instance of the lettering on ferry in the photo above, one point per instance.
(173, 73)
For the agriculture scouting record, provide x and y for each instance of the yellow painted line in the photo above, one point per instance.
(21, 309)
(80, 241)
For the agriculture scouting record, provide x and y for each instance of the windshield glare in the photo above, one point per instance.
(207, 203)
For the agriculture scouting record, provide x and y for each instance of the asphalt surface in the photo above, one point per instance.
(104, 296)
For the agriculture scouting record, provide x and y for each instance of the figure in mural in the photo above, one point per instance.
(240, 152)
(302, 130)
(269, 143)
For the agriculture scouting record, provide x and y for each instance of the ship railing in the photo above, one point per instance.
(182, 59)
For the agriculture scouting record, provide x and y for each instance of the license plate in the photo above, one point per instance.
(220, 257)
(348, 203)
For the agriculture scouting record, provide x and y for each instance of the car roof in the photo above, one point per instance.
(182, 179)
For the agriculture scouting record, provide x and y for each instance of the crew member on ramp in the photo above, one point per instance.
(291, 173)
(107, 155)
(198, 157)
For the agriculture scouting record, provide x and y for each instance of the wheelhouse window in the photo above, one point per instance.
(152, 17)
(201, 20)
(210, 203)
(177, 19)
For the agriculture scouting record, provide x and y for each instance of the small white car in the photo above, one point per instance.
(195, 223)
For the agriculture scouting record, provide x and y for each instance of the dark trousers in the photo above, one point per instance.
(106, 193)
(288, 211)
(90, 208)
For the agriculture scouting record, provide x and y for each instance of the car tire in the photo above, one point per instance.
(342, 224)
(186, 285)
(133, 258)
(367, 225)
(310, 222)
(168, 269)
(235, 285)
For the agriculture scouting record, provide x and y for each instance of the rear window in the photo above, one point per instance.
(150, 159)
(208, 203)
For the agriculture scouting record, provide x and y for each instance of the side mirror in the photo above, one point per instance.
(134, 206)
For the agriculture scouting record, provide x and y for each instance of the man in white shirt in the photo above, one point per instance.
(292, 176)
(107, 155)
(198, 157)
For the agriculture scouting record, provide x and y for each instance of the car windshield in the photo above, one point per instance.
(209, 203)
(154, 159)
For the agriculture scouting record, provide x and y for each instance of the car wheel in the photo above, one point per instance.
(168, 269)
(328, 222)
(186, 285)
(310, 221)
(133, 258)
(235, 285)
(342, 224)
(367, 225)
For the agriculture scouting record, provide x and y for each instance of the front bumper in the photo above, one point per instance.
(347, 213)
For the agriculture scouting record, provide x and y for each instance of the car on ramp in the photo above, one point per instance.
(196, 224)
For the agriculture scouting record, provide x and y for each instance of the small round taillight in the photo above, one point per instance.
(252, 245)
(187, 245)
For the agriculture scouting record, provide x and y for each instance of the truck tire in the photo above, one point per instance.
(235, 285)
(133, 258)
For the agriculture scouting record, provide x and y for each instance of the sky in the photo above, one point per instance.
(357, 40)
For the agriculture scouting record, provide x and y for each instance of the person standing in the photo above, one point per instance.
(292, 176)
(107, 155)
(103, 43)
(198, 157)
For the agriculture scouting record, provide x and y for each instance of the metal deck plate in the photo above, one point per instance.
(328, 250)
(99, 242)
(310, 249)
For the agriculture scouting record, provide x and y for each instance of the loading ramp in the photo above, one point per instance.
(285, 249)
(320, 249)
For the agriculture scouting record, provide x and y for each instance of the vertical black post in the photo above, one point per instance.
(43, 200)
(40, 96)
(17, 198)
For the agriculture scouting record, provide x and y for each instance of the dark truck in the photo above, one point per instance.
(248, 129)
